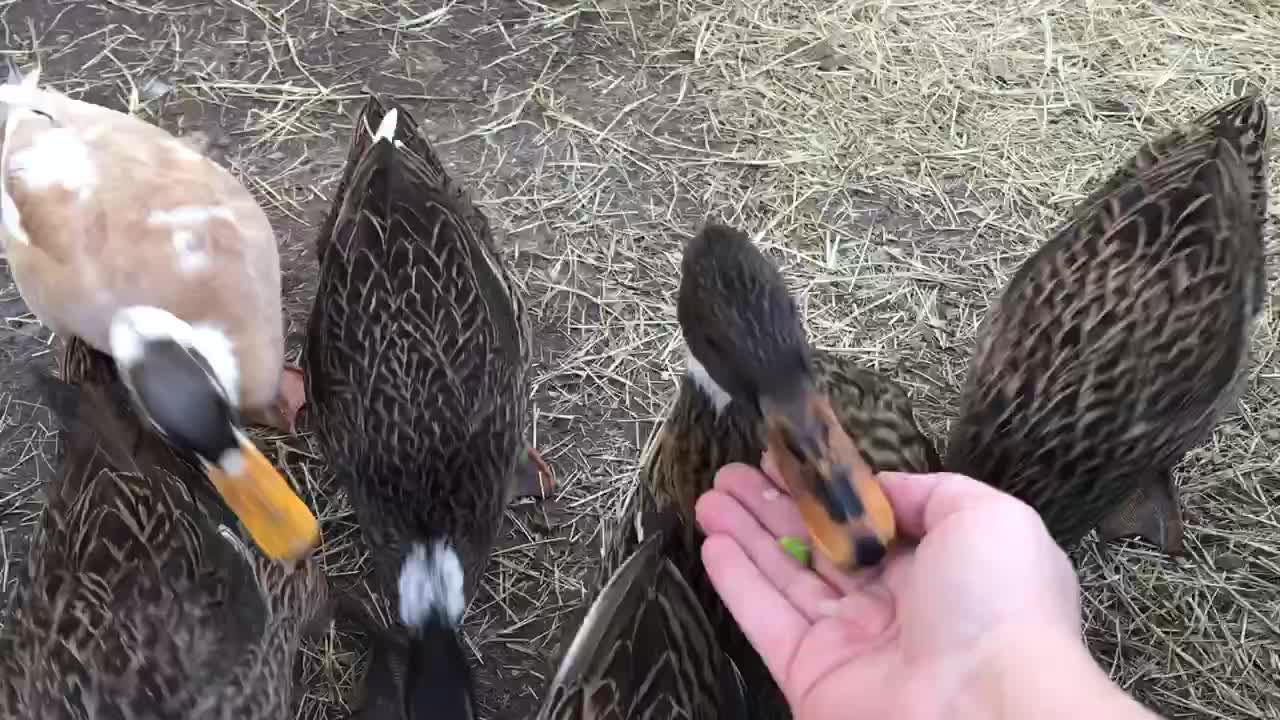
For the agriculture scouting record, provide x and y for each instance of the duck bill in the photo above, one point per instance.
(848, 516)
(278, 520)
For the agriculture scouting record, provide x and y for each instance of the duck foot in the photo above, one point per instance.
(282, 415)
(1151, 513)
(533, 477)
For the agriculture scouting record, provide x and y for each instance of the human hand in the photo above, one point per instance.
(980, 619)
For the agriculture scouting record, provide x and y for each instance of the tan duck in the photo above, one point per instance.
(1116, 346)
(121, 235)
(139, 599)
(417, 362)
(751, 382)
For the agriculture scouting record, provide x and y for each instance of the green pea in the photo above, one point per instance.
(796, 548)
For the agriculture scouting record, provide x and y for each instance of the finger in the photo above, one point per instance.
(722, 514)
(770, 468)
(773, 626)
(761, 495)
(923, 501)
(779, 517)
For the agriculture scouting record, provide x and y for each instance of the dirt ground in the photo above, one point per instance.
(898, 160)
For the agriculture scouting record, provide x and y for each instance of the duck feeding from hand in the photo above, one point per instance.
(747, 345)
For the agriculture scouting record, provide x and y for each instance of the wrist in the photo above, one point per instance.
(1046, 675)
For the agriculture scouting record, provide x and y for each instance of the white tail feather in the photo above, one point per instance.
(387, 127)
(431, 580)
(17, 89)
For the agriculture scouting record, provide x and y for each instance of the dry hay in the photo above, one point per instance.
(897, 158)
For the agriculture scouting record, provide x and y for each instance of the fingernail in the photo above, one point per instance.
(771, 494)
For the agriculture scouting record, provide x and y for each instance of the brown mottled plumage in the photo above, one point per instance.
(698, 437)
(1116, 346)
(417, 359)
(645, 648)
(877, 414)
(140, 600)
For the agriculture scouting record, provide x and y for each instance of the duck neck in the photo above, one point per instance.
(706, 385)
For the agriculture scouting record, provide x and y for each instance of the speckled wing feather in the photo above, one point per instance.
(645, 650)
(121, 570)
(877, 414)
(133, 604)
(677, 466)
(1242, 123)
(1115, 346)
(417, 354)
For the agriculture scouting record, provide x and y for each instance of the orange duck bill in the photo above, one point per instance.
(278, 520)
(848, 516)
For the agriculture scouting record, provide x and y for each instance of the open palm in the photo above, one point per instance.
(910, 638)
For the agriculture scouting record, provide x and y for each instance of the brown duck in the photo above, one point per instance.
(140, 600)
(1117, 345)
(645, 648)
(417, 361)
(751, 382)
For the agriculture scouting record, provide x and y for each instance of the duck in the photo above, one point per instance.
(140, 599)
(1115, 347)
(417, 360)
(645, 648)
(121, 235)
(752, 382)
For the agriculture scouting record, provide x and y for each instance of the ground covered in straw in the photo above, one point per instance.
(898, 159)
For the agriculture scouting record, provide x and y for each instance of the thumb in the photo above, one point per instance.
(922, 502)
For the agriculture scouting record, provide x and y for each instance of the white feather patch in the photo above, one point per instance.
(190, 249)
(431, 579)
(232, 461)
(216, 348)
(701, 378)
(189, 215)
(233, 539)
(15, 95)
(132, 327)
(23, 93)
(10, 219)
(387, 126)
(56, 157)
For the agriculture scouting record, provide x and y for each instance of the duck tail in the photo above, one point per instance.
(386, 119)
(387, 126)
(438, 680)
(17, 91)
(380, 119)
(17, 84)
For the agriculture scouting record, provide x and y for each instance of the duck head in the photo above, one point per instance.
(184, 380)
(747, 345)
(432, 600)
